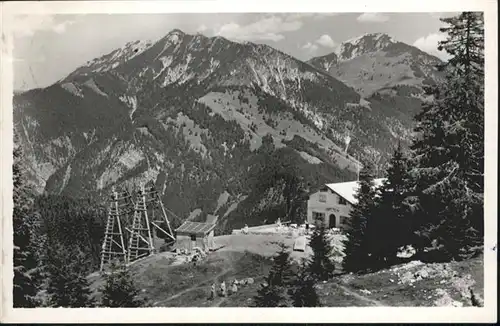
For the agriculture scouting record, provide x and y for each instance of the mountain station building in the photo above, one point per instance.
(334, 202)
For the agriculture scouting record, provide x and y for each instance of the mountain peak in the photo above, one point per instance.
(375, 36)
(365, 43)
(176, 31)
(175, 35)
(325, 62)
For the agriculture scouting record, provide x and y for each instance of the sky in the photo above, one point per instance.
(49, 47)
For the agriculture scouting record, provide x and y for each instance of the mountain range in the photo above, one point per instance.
(205, 119)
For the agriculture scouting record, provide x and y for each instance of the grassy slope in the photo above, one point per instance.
(186, 285)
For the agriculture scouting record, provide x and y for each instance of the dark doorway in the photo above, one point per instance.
(332, 221)
(193, 241)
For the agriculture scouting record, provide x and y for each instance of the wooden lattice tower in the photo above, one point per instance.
(149, 216)
(141, 238)
(113, 246)
(159, 218)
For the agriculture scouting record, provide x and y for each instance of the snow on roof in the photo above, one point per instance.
(347, 190)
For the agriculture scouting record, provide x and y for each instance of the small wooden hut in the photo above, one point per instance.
(196, 234)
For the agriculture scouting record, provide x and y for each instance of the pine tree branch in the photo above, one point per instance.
(435, 186)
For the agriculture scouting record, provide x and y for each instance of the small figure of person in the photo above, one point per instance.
(212, 292)
(223, 289)
(234, 287)
(245, 229)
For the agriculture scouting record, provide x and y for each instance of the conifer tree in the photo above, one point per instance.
(71, 222)
(67, 285)
(119, 289)
(304, 293)
(25, 284)
(390, 227)
(321, 266)
(277, 288)
(449, 152)
(356, 250)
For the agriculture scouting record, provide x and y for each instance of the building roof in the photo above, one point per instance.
(347, 190)
(195, 227)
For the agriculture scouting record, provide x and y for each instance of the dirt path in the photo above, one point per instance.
(194, 287)
(219, 302)
(361, 297)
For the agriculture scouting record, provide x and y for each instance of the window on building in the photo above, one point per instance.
(322, 198)
(193, 237)
(342, 201)
(344, 220)
(318, 216)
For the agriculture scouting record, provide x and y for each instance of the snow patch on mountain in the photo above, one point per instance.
(327, 65)
(145, 132)
(89, 136)
(234, 205)
(166, 61)
(196, 212)
(67, 175)
(214, 64)
(92, 85)
(131, 158)
(222, 200)
(109, 176)
(172, 38)
(364, 103)
(148, 176)
(44, 171)
(177, 74)
(71, 87)
(309, 158)
(131, 102)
